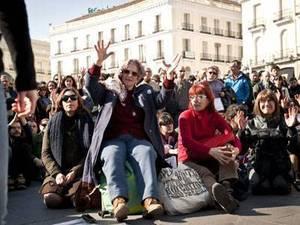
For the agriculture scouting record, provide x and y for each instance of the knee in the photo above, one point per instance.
(53, 201)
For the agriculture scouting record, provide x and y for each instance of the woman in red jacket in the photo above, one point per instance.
(207, 144)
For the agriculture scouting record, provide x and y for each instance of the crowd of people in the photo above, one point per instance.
(238, 131)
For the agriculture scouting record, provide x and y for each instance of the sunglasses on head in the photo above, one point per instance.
(133, 73)
(65, 98)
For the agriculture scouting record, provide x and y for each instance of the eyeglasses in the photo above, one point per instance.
(133, 73)
(43, 124)
(211, 72)
(202, 97)
(65, 98)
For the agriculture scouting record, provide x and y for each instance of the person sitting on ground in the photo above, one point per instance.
(21, 164)
(270, 137)
(169, 138)
(65, 144)
(127, 130)
(207, 144)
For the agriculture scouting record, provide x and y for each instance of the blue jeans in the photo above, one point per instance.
(3, 157)
(141, 155)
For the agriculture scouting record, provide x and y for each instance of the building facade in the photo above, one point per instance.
(270, 35)
(41, 51)
(205, 32)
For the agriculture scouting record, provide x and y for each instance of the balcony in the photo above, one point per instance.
(188, 55)
(218, 31)
(126, 39)
(205, 29)
(257, 24)
(157, 28)
(239, 35)
(159, 57)
(75, 50)
(187, 26)
(283, 17)
(139, 36)
(284, 54)
(230, 33)
(219, 58)
(297, 10)
(205, 56)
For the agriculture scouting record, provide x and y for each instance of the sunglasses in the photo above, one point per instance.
(133, 73)
(211, 72)
(202, 97)
(65, 98)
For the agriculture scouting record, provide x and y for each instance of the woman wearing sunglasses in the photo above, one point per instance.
(207, 144)
(127, 130)
(65, 144)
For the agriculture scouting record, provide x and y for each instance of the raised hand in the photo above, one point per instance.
(241, 120)
(25, 103)
(170, 68)
(102, 52)
(291, 116)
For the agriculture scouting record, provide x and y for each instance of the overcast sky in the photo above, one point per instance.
(43, 12)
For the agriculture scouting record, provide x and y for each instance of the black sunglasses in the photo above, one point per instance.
(211, 72)
(133, 73)
(65, 98)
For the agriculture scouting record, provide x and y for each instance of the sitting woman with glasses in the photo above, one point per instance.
(65, 144)
(207, 144)
(127, 130)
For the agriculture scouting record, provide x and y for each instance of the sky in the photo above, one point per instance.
(41, 13)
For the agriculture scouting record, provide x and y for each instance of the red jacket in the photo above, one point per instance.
(196, 128)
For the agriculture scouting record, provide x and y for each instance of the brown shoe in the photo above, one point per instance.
(152, 208)
(120, 209)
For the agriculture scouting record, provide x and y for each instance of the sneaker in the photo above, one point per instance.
(225, 200)
(21, 182)
(120, 209)
(152, 208)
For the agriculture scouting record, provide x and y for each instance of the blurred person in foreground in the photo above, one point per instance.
(14, 27)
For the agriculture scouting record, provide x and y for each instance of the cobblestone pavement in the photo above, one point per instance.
(26, 207)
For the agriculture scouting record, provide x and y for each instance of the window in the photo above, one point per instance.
(217, 27)
(141, 53)
(205, 47)
(113, 61)
(229, 53)
(75, 66)
(257, 14)
(88, 61)
(187, 18)
(140, 28)
(160, 53)
(126, 54)
(258, 51)
(100, 36)
(240, 53)
(87, 38)
(217, 51)
(204, 27)
(228, 25)
(112, 35)
(284, 44)
(187, 22)
(126, 37)
(186, 45)
(239, 34)
(59, 47)
(157, 25)
(75, 39)
(59, 67)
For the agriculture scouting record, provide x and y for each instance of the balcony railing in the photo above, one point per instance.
(157, 28)
(205, 56)
(205, 29)
(283, 54)
(159, 57)
(239, 35)
(282, 15)
(188, 55)
(187, 26)
(218, 31)
(219, 58)
(230, 33)
(258, 22)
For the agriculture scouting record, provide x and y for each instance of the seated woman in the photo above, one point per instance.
(270, 137)
(207, 144)
(169, 138)
(65, 144)
(127, 130)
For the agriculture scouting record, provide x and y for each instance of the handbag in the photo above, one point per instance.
(181, 190)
